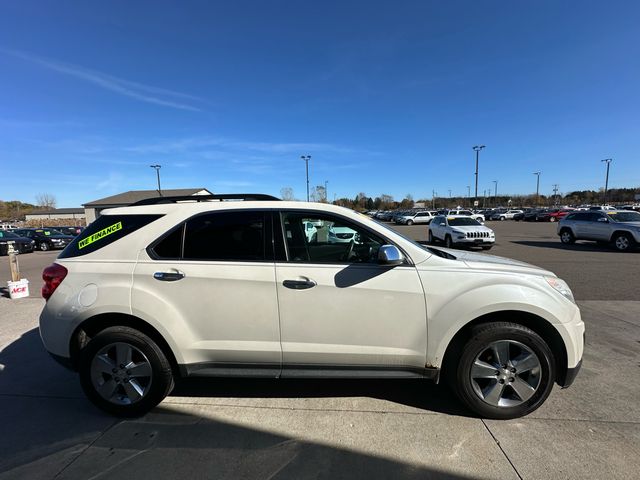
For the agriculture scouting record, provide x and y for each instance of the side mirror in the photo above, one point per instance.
(603, 220)
(390, 255)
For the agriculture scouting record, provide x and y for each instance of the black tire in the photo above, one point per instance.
(567, 237)
(481, 337)
(448, 242)
(409, 222)
(161, 378)
(502, 219)
(43, 246)
(431, 238)
(623, 242)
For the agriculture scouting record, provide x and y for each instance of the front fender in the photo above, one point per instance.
(456, 298)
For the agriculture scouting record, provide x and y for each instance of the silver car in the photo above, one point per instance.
(416, 217)
(620, 228)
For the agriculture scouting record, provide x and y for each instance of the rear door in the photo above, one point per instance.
(340, 310)
(211, 282)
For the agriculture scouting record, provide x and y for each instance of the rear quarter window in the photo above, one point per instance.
(106, 230)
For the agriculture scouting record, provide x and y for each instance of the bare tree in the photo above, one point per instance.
(46, 200)
(321, 194)
(286, 193)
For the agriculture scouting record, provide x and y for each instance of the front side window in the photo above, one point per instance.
(225, 236)
(318, 238)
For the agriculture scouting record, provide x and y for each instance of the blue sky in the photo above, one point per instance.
(387, 97)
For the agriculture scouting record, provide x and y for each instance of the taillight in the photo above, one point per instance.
(53, 276)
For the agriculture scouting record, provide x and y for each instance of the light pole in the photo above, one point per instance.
(537, 174)
(495, 194)
(158, 167)
(477, 149)
(606, 182)
(306, 159)
(469, 195)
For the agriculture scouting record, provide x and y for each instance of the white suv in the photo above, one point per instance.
(176, 287)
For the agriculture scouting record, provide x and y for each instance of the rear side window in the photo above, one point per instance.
(104, 231)
(230, 236)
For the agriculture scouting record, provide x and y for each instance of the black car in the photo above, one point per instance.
(532, 215)
(45, 238)
(20, 244)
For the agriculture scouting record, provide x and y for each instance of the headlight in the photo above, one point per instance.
(561, 287)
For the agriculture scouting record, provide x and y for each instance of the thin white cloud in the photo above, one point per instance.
(138, 91)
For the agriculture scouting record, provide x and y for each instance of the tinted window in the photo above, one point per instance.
(318, 238)
(226, 236)
(104, 231)
(169, 247)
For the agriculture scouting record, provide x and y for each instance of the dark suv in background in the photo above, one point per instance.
(45, 238)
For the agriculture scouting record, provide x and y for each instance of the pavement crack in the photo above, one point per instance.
(501, 449)
(91, 444)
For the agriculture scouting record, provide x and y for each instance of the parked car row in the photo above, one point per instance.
(27, 240)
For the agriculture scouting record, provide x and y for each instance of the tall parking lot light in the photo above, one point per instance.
(306, 159)
(469, 195)
(158, 167)
(537, 187)
(495, 194)
(477, 149)
(606, 182)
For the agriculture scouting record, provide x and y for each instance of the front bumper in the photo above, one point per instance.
(569, 376)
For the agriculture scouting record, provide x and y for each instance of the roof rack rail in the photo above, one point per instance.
(204, 198)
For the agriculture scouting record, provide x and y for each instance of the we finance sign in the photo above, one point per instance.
(99, 235)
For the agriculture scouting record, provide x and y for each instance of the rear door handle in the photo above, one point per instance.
(169, 276)
(299, 284)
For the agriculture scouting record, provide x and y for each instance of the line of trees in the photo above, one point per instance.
(12, 210)
(386, 202)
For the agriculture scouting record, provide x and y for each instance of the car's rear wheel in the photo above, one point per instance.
(566, 237)
(552, 219)
(409, 222)
(44, 246)
(124, 372)
(623, 242)
(505, 371)
(502, 219)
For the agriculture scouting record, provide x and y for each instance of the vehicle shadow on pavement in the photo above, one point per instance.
(4, 292)
(580, 247)
(415, 393)
(51, 430)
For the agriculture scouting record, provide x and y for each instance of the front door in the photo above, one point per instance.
(339, 309)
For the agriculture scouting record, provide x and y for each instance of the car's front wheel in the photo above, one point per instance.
(431, 237)
(448, 242)
(409, 222)
(505, 371)
(124, 372)
(44, 246)
(566, 237)
(623, 242)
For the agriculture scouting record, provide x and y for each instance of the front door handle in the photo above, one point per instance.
(299, 284)
(169, 276)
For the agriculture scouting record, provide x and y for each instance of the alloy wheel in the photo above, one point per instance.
(121, 373)
(506, 374)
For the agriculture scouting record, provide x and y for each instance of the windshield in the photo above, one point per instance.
(49, 231)
(624, 216)
(462, 222)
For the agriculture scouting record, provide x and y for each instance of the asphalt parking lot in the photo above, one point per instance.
(340, 429)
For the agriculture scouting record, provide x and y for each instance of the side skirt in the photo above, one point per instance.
(261, 370)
